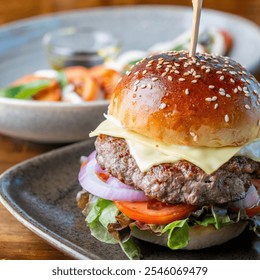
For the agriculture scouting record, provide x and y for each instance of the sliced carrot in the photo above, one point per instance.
(84, 84)
(51, 93)
(106, 78)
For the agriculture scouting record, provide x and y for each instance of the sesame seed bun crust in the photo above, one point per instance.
(203, 101)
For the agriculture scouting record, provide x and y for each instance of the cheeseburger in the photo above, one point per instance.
(177, 160)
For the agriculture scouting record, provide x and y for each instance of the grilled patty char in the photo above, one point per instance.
(180, 182)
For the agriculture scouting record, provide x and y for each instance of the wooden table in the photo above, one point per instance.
(16, 241)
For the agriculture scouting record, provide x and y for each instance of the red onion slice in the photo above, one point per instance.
(113, 189)
(251, 199)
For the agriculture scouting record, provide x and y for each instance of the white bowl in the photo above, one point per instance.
(50, 122)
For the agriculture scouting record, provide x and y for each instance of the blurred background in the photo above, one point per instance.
(13, 10)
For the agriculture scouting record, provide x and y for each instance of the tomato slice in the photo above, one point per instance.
(251, 212)
(161, 215)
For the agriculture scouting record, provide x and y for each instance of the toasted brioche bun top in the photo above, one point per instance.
(207, 100)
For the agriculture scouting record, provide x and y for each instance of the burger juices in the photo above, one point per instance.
(177, 159)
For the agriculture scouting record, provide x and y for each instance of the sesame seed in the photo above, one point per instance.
(214, 98)
(154, 79)
(162, 106)
(192, 133)
(244, 88)
(208, 70)
(228, 95)
(247, 107)
(195, 138)
(186, 74)
(167, 69)
(235, 90)
(255, 91)
(222, 78)
(248, 82)
(170, 78)
(136, 73)
(226, 118)
(187, 92)
(208, 99)
(181, 79)
(232, 80)
(232, 72)
(136, 82)
(150, 86)
(158, 66)
(216, 106)
(239, 88)
(219, 72)
(203, 67)
(176, 71)
(176, 64)
(164, 74)
(128, 73)
(197, 76)
(135, 88)
(211, 86)
(144, 72)
(247, 94)
(194, 81)
(166, 62)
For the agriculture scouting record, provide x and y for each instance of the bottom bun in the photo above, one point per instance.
(200, 237)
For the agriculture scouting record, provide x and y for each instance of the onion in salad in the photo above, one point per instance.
(111, 189)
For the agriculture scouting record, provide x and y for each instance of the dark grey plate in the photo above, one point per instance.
(41, 193)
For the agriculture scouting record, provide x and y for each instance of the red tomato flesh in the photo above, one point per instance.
(151, 213)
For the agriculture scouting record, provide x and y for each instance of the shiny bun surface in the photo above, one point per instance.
(207, 100)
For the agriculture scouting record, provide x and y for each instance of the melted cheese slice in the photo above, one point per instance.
(148, 152)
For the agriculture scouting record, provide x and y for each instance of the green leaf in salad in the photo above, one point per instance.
(25, 91)
(62, 79)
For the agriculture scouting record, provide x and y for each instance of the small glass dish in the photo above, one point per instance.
(79, 46)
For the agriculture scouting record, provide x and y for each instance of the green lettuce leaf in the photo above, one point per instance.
(218, 218)
(178, 234)
(132, 251)
(25, 91)
(100, 215)
(103, 212)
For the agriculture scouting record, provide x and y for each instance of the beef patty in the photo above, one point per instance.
(180, 182)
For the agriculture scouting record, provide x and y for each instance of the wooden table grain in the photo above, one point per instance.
(16, 241)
